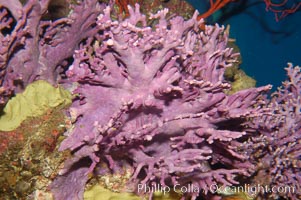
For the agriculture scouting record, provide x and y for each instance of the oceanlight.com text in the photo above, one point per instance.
(251, 190)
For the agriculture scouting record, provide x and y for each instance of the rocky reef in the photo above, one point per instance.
(157, 102)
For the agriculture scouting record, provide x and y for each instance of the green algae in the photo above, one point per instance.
(37, 98)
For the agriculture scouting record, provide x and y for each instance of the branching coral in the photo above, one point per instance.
(31, 48)
(279, 152)
(153, 97)
(152, 100)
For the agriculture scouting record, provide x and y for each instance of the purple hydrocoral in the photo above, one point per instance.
(31, 48)
(153, 97)
(277, 151)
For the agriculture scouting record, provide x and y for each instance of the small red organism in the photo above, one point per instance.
(9, 139)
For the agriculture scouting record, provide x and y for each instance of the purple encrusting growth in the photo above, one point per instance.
(32, 48)
(277, 152)
(153, 97)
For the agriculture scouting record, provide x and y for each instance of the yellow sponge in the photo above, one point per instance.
(97, 192)
(37, 98)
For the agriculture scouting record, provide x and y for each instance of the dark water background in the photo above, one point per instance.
(266, 45)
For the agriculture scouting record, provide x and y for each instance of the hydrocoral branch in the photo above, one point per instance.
(153, 98)
(29, 47)
(8, 44)
(280, 139)
(14, 6)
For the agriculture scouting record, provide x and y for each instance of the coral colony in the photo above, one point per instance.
(152, 100)
(278, 148)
